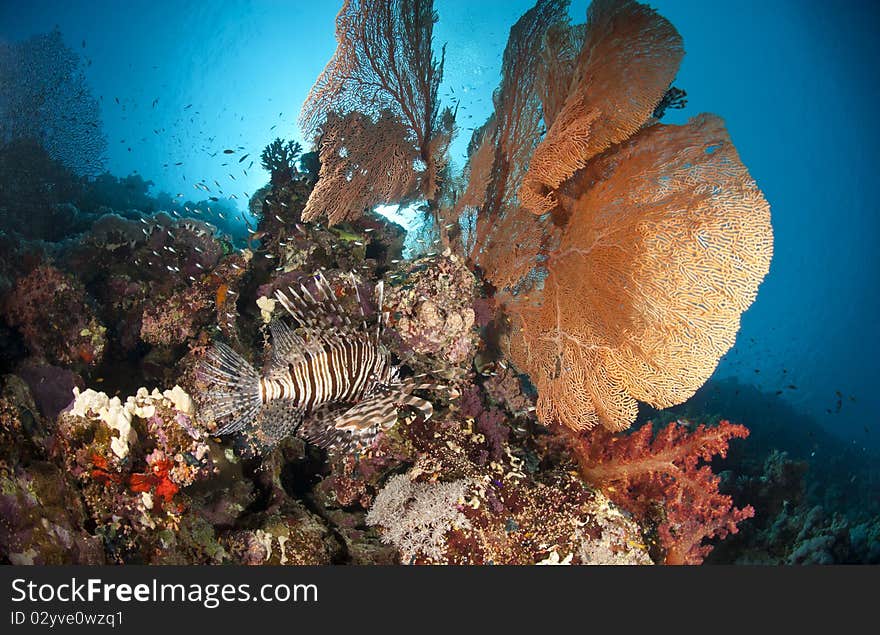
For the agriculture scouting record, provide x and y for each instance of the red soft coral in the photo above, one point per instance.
(640, 471)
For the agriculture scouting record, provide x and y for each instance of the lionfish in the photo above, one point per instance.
(331, 382)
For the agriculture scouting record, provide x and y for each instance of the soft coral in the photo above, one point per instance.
(640, 471)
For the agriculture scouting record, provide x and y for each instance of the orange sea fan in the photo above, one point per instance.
(629, 57)
(363, 163)
(667, 240)
(504, 236)
(383, 71)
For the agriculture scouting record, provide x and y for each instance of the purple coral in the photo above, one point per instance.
(430, 304)
(53, 315)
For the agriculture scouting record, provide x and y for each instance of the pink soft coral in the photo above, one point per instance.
(640, 471)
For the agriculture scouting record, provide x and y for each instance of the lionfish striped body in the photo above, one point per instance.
(331, 382)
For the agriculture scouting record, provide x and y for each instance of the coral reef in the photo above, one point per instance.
(642, 471)
(55, 317)
(430, 307)
(608, 262)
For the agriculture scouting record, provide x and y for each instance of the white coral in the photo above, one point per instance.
(91, 404)
(415, 517)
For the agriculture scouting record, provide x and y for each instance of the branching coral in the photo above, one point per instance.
(641, 470)
(279, 159)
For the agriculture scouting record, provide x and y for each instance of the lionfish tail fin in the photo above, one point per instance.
(234, 399)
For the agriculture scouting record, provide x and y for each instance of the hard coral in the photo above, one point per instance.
(131, 460)
(641, 470)
(430, 306)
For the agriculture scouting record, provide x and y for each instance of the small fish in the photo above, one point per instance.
(243, 158)
(228, 151)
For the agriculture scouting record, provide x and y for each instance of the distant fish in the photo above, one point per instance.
(228, 151)
(243, 158)
(187, 107)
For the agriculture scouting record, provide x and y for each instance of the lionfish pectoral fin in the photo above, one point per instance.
(352, 429)
(425, 407)
(276, 421)
(379, 412)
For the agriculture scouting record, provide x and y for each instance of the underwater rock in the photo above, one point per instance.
(51, 386)
(132, 459)
(34, 430)
(42, 519)
(208, 301)
(41, 516)
(289, 536)
(54, 316)
(430, 305)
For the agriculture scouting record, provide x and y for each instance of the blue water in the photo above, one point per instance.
(797, 83)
